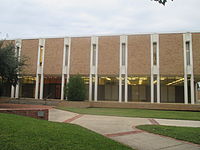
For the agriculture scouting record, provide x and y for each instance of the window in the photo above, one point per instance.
(66, 54)
(94, 55)
(17, 52)
(123, 53)
(41, 54)
(154, 53)
(188, 52)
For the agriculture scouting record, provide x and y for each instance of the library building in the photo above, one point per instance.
(152, 68)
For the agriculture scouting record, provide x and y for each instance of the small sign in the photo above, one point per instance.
(40, 113)
(198, 86)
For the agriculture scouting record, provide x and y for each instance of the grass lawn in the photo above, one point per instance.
(23, 133)
(189, 134)
(143, 113)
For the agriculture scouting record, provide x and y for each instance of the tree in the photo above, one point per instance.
(162, 1)
(75, 89)
(10, 66)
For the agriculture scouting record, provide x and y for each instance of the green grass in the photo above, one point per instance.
(142, 113)
(23, 133)
(189, 134)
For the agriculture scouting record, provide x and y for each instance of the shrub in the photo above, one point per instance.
(75, 89)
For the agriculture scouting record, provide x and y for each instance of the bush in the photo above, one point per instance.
(75, 89)
(1, 89)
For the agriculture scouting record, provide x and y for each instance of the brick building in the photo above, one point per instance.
(160, 68)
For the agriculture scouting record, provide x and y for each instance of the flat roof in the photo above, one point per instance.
(100, 35)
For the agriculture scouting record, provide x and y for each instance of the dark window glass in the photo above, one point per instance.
(94, 55)
(188, 52)
(66, 54)
(123, 53)
(41, 54)
(155, 53)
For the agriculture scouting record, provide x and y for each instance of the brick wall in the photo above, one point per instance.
(80, 56)
(139, 55)
(53, 56)
(27, 112)
(139, 105)
(108, 61)
(30, 52)
(171, 54)
(196, 52)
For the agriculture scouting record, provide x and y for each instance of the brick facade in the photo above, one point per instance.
(80, 56)
(138, 69)
(30, 53)
(28, 113)
(108, 62)
(139, 55)
(34, 111)
(53, 56)
(171, 54)
(196, 52)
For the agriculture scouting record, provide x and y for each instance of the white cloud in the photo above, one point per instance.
(36, 18)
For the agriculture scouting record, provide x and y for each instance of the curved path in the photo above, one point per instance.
(122, 129)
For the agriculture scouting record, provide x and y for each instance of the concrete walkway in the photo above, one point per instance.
(122, 129)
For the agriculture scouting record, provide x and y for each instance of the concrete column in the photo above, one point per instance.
(188, 68)
(68, 78)
(41, 86)
(196, 93)
(126, 70)
(12, 91)
(65, 67)
(126, 89)
(17, 91)
(192, 73)
(69, 56)
(66, 82)
(158, 70)
(93, 68)
(62, 86)
(155, 69)
(36, 86)
(185, 89)
(120, 88)
(158, 88)
(96, 70)
(90, 88)
(95, 88)
(192, 89)
(152, 88)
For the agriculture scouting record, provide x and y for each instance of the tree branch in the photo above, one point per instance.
(162, 1)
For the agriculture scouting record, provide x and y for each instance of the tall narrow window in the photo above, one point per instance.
(66, 54)
(41, 54)
(17, 52)
(94, 47)
(188, 52)
(123, 53)
(154, 53)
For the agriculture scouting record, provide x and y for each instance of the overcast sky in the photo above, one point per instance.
(52, 18)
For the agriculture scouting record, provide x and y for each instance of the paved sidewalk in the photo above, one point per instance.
(123, 129)
(57, 115)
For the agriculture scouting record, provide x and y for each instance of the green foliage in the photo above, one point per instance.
(189, 134)
(76, 90)
(10, 66)
(1, 88)
(24, 133)
(131, 112)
